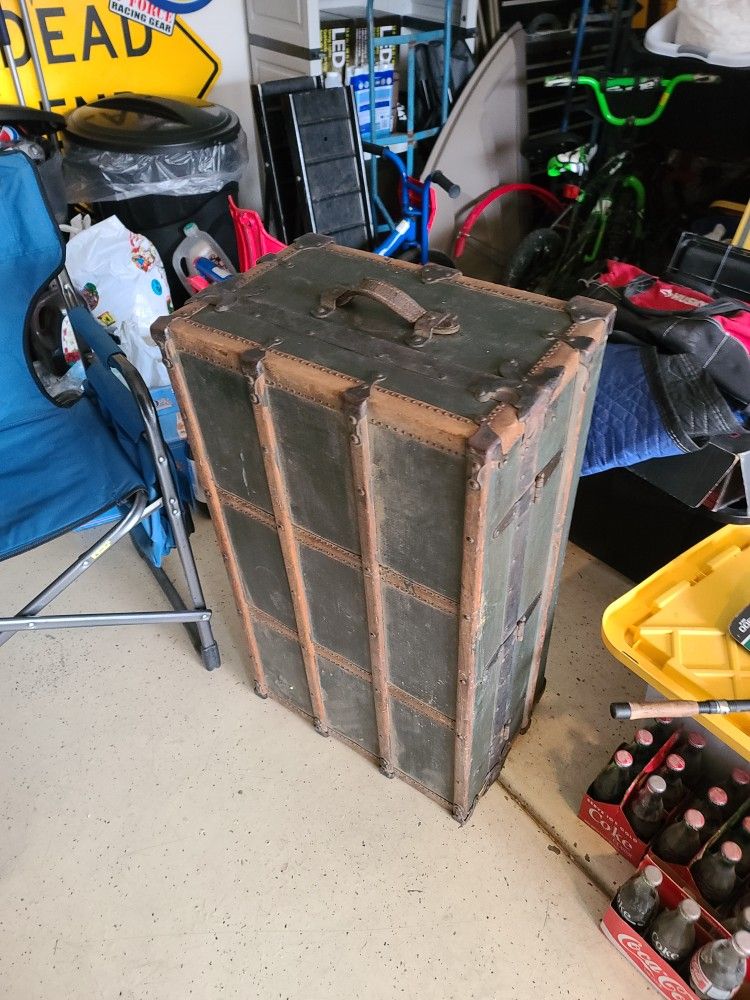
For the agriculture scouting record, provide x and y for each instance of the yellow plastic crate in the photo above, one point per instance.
(671, 629)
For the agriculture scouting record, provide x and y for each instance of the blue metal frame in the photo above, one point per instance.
(411, 138)
(412, 228)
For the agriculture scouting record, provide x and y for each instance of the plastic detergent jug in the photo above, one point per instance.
(192, 255)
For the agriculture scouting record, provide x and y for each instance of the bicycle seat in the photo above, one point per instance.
(538, 149)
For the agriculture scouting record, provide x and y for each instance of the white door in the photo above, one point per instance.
(293, 24)
(284, 39)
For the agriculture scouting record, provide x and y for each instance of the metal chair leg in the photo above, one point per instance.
(133, 517)
(170, 592)
(208, 647)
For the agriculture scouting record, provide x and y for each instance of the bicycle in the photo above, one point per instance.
(604, 215)
(409, 238)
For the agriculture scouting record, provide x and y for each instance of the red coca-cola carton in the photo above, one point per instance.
(682, 875)
(646, 960)
(610, 821)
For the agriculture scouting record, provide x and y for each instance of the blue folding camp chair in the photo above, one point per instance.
(62, 465)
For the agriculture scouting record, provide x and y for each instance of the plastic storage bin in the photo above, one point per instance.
(660, 39)
(712, 267)
(671, 629)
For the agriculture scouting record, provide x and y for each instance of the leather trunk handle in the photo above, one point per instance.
(424, 322)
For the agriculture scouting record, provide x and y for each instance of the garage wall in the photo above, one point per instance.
(223, 26)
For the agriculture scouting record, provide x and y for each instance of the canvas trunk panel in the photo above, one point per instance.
(390, 454)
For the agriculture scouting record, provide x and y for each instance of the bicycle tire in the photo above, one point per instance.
(533, 259)
(623, 226)
(412, 255)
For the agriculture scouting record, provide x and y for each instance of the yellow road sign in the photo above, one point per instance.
(88, 52)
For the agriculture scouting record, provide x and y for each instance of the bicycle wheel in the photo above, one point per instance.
(533, 259)
(624, 222)
(433, 256)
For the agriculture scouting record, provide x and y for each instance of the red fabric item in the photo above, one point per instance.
(666, 296)
(252, 239)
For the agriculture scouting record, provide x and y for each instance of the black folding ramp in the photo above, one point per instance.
(329, 165)
(280, 208)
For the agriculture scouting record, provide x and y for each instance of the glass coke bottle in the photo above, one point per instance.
(740, 921)
(661, 730)
(691, 750)
(613, 782)
(714, 808)
(673, 932)
(738, 788)
(718, 969)
(715, 873)
(641, 749)
(645, 808)
(679, 842)
(741, 836)
(672, 770)
(637, 901)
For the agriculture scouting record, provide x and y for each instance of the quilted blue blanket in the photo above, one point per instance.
(652, 405)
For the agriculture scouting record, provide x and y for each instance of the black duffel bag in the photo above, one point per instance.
(695, 331)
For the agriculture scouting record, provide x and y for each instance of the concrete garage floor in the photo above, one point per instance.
(165, 834)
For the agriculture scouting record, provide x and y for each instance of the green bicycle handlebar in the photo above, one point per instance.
(622, 84)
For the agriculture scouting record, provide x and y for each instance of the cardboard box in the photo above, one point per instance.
(343, 39)
(682, 875)
(610, 821)
(646, 960)
(384, 99)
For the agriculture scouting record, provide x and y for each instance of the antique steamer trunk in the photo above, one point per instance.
(390, 454)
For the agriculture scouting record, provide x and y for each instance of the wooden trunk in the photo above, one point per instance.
(390, 455)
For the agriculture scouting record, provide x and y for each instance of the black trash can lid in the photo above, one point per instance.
(141, 123)
(33, 120)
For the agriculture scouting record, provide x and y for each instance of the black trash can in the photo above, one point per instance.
(157, 163)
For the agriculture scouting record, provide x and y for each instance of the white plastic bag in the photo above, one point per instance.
(721, 26)
(121, 277)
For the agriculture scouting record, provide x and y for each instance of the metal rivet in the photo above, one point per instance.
(162, 459)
